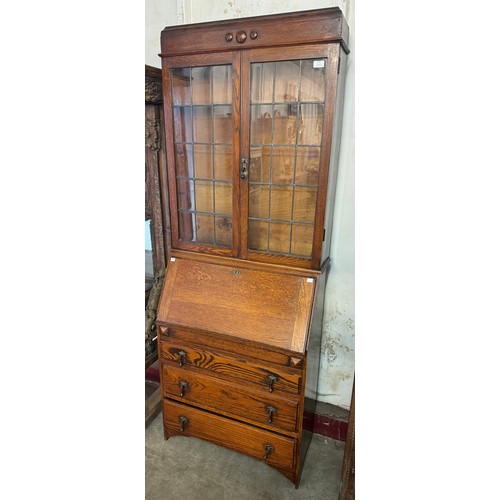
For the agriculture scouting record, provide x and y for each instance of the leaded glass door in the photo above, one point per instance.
(285, 145)
(249, 152)
(202, 111)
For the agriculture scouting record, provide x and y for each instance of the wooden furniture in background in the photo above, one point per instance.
(347, 482)
(155, 159)
(252, 117)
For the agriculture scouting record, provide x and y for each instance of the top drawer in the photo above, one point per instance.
(216, 342)
(269, 378)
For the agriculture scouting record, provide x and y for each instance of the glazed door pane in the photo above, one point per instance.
(282, 137)
(287, 100)
(203, 145)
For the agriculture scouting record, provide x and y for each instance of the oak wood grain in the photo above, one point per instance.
(243, 298)
(232, 301)
(219, 343)
(249, 373)
(237, 436)
(261, 408)
(291, 268)
(319, 227)
(320, 25)
(230, 343)
(237, 134)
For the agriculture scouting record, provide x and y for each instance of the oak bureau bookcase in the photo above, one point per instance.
(253, 112)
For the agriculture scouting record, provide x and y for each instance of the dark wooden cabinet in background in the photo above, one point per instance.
(252, 117)
(347, 489)
(155, 159)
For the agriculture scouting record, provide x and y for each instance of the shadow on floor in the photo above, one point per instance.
(192, 469)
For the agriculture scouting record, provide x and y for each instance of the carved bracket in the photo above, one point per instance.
(153, 134)
(153, 90)
(154, 298)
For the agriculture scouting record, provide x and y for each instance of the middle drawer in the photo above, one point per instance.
(194, 387)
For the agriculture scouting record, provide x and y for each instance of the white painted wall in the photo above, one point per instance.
(159, 13)
(337, 361)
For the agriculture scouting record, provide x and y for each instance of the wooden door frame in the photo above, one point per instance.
(211, 59)
(331, 52)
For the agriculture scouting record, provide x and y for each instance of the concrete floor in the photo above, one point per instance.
(190, 469)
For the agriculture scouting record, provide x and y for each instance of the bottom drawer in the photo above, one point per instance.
(277, 451)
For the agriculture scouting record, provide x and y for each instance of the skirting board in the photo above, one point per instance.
(330, 426)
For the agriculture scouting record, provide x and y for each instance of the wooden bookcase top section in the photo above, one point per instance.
(258, 306)
(312, 26)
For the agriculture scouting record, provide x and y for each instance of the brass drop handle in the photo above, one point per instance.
(183, 385)
(244, 168)
(271, 379)
(182, 357)
(271, 410)
(183, 421)
(268, 450)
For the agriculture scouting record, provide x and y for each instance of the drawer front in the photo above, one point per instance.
(270, 379)
(221, 396)
(215, 342)
(277, 451)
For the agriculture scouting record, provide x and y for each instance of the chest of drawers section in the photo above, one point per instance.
(239, 387)
(246, 404)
